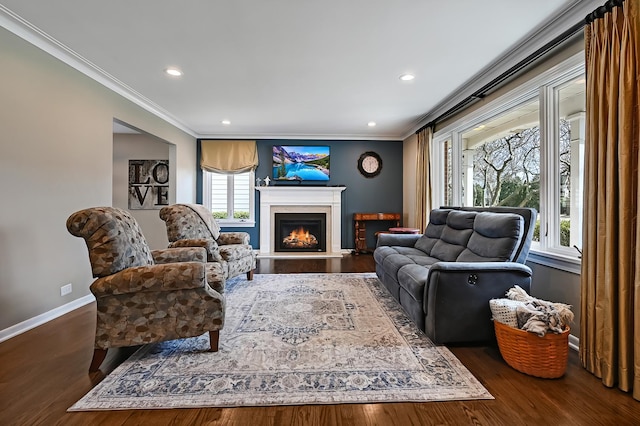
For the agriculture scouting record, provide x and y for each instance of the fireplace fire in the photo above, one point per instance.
(300, 238)
(300, 232)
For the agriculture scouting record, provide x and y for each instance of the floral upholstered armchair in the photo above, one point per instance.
(193, 225)
(146, 296)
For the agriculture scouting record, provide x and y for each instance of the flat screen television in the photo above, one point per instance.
(301, 163)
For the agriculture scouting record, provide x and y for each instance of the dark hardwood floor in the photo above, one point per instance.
(44, 371)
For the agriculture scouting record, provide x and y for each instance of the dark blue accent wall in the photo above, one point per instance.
(381, 194)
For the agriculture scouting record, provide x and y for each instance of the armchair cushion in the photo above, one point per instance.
(113, 237)
(211, 246)
(167, 277)
(180, 254)
(181, 225)
(233, 238)
(232, 252)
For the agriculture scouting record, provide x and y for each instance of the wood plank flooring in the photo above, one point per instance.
(44, 371)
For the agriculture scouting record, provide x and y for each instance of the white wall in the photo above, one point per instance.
(140, 147)
(56, 157)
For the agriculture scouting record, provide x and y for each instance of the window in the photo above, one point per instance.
(446, 154)
(569, 100)
(230, 197)
(501, 159)
(526, 148)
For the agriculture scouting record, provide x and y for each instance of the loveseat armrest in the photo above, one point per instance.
(457, 294)
(167, 277)
(226, 238)
(481, 266)
(403, 240)
(213, 252)
(179, 254)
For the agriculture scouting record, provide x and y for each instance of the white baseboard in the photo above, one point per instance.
(574, 343)
(27, 325)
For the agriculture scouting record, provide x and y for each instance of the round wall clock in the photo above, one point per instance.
(370, 164)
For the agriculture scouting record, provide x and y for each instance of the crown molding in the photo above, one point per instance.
(332, 137)
(33, 35)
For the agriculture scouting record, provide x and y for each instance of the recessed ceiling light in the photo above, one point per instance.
(407, 77)
(371, 124)
(173, 72)
(226, 122)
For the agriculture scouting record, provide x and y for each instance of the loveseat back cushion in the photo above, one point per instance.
(113, 237)
(437, 222)
(455, 236)
(496, 237)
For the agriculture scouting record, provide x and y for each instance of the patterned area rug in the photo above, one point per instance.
(293, 339)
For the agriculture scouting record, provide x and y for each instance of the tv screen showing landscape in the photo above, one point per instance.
(300, 163)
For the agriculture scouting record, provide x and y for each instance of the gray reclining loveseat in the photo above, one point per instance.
(445, 277)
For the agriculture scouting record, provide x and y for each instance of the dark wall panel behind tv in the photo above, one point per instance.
(382, 193)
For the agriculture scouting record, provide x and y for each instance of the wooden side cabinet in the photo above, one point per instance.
(360, 227)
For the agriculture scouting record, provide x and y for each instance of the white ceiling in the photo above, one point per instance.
(284, 68)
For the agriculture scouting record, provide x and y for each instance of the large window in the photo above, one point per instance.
(501, 159)
(230, 197)
(524, 149)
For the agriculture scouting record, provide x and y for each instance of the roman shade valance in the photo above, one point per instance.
(228, 156)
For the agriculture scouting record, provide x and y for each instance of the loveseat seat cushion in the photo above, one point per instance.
(437, 222)
(392, 262)
(455, 235)
(495, 237)
(412, 279)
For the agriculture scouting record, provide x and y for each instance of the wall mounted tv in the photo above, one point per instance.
(301, 163)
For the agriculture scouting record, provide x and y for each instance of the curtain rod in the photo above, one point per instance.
(481, 93)
(600, 11)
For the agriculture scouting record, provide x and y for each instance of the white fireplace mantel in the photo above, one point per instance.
(301, 199)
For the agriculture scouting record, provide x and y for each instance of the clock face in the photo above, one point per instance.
(370, 164)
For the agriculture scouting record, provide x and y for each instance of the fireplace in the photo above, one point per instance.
(296, 199)
(300, 232)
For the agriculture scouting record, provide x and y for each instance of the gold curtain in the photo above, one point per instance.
(228, 156)
(610, 279)
(423, 177)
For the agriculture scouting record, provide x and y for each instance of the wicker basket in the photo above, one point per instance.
(544, 357)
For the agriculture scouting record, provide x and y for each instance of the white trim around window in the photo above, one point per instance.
(248, 204)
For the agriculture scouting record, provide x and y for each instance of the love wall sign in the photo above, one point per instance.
(148, 184)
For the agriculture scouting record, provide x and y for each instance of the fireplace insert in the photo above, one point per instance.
(300, 232)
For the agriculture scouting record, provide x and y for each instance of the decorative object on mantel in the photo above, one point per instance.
(532, 334)
(267, 181)
(258, 181)
(292, 339)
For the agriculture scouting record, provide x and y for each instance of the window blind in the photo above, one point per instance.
(228, 156)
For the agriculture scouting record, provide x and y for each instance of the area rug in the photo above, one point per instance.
(289, 340)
